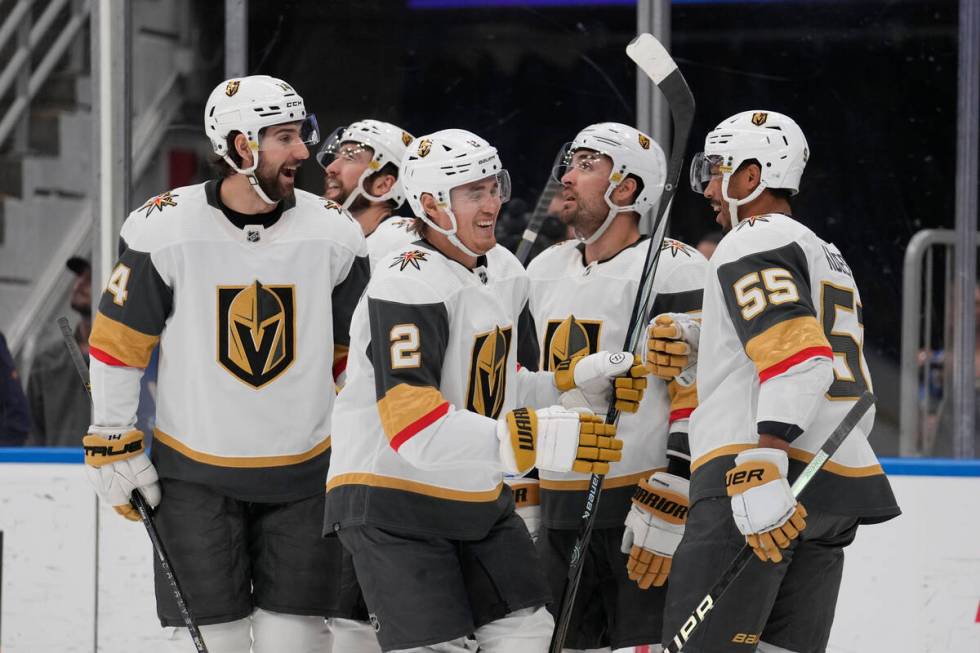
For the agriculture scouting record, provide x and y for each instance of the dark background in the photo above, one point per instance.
(872, 83)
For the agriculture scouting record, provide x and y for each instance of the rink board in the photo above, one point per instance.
(912, 584)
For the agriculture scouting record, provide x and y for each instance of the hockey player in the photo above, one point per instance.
(361, 165)
(247, 285)
(581, 296)
(779, 364)
(435, 412)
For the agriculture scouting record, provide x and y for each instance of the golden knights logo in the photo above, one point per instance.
(232, 87)
(565, 339)
(644, 141)
(407, 139)
(158, 202)
(488, 372)
(425, 146)
(413, 257)
(751, 220)
(675, 247)
(256, 331)
(759, 118)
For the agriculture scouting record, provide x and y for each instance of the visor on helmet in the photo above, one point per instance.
(701, 170)
(479, 193)
(566, 160)
(308, 134)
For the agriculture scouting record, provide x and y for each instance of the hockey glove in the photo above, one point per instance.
(654, 527)
(557, 440)
(590, 381)
(116, 464)
(764, 508)
(672, 347)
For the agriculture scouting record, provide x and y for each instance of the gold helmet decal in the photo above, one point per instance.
(407, 139)
(425, 146)
(232, 87)
(644, 141)
(488, 372)
(565, 339)
(256, 331)
(759, 118)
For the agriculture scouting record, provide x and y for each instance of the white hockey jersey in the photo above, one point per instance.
(391, 233)
(433, 364)
(781, 311)
(247, 322)
(582, 309)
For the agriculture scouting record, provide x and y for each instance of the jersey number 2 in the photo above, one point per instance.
(405, 346)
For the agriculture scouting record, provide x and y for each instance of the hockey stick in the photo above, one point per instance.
(137, 499)
(652, 58)
(538, 216)
(853, 416)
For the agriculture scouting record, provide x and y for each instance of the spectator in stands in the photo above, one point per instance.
(14, 419)
(60, 407)
(709, 242)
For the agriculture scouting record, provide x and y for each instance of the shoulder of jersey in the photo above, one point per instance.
(759, 234)
(322, 217)
(554, 260)
(166, 218)
(502, 263)
(412, 273)
(676, 253)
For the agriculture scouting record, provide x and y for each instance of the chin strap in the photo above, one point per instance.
(614, 210)
(249, 173)
(360, 191)
(450, 234)
(734, 204)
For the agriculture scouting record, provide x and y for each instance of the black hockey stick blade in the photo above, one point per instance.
(830, 445)
(654, 60)
(136, 498)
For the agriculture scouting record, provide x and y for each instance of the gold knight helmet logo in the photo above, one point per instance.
(232, 87)
(565, 339)
(759, 118)
(256, 331)
(644, 141)
(488, 372)
(425, 145)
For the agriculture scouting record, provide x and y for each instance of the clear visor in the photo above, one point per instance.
(337, 146)
(703, 168)
(568, 158)
(290, 134)
(495, 187)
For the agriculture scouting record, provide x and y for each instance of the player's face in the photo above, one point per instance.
(583, 192)
(282, 153)
(739, 186)
(476, 206)
(342, 175)
(81, 293)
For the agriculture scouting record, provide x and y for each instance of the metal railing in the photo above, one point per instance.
(18, 67)
(918, 332)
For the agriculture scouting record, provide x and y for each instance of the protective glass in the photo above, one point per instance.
(336, 146)
(308, 134)
(478, 193)
(568, 158)
(701, 167)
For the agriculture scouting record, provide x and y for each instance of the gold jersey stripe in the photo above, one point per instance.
(526, 493)
(783, 340)
(241, 461)
(607, 483)
(123, 343)
(391, 483)
(405, 404)
(800, 455)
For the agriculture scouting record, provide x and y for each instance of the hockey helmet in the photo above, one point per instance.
(388, 142)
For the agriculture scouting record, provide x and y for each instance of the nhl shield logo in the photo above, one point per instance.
(565, 339)
(407, 139)
(232, 87)
(256, 331)
(644, 141)
(425, 146)
(488, 372)
(759, 118)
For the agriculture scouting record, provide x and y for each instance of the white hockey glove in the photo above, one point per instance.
(672, 347)
(763, 505)
(116, 464)
(654, 527)
(557, 440)
(590, 381)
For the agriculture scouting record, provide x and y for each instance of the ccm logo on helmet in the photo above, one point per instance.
(293, 104)
(743, 476)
